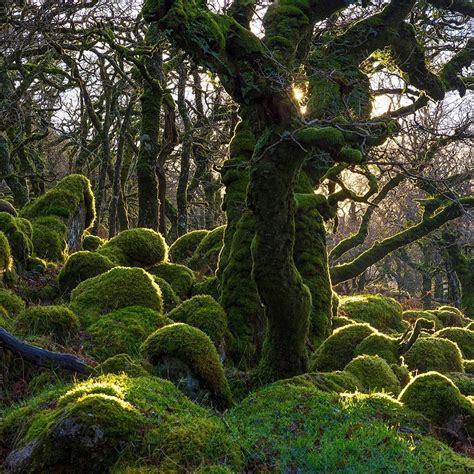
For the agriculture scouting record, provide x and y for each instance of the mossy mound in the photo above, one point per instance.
(438, 398)
(112, 421)
(6, 260)
(170, 298)
(206, 256)
(121, 364)
(207, 286)
(463, 337)
(204, 313)
(184, 247)
(412, 315)
(465, 382)
(381, 345)
(18, 232)
(5, 321)
(340, 321)
(180, 278)
(92, 242)
(49, 238)
(337, 381)
(187, 356)
(469, 366)
(449, 317)
(115, 289)
(11, 302)
(138, 247)
(123, 331)
(432, 353)
(58, 322)
(339, 348)
(374, 374)
(81, 266)
(293, 428)
(381, 312)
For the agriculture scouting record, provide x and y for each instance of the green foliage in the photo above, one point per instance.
(463, 337)
(339, 348)
(58, 322)
(18, 231)
(412, 315)
(170, 298)
(180, 278)
(432, 353)
(91, 242)
(115, 289)
(6, 261)
(382, 312)
(194, 352)
(381, 345)
(80, 266)
(206, 255)
(12, 303)
(138, 247)
(374, 373)
(207, 286)
(184, 247)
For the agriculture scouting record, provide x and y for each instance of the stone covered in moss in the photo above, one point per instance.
(208, 286)
(6, 261)
(436, 397)
(432, 353)
(180, 278)
(337, 381)
(339, 348)
(11, 302)
(449, 317)
(49, 238)
(115, 289)
(381, 312)
(465, 382)
(340, 321)
(206, 256)
(184, 247)
(188, 357)
(463, 337)
(381, 345)
(59, 322)
(170, 298)
(18, 232)
(123, 331)
(469, 366)
(138, 247)
(374, 373)
(91, 242)
(204, 313)
(412, 315)
(80, 266)
(121, 364)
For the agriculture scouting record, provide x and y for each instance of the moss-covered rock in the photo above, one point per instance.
(123, 331)
(438, 398)
(138, 247)
(207, 286)
(465, 382)
(374, 373)
(381, 312)
(18, 232)
(463, 337)
(59, 322)
(121, 364)
(170, 298)
(432, 353)
(180, 278)
(115, 289)
(337, 381)
(339, 348)
(49, 238)
(187, 356)
(92, 242)
(469, 366)
(80, 266)
(449, 317)
(204, 313)
(340, 321)
(206, 256)
(381, 345)
(6, 261)
(11, 302)
(184, 247)
(402, 372)
(411, 316)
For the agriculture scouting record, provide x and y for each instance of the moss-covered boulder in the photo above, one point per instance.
(381, 312)
(180, 278)
(6, 260)
(138, 247)
(204, 313)
(92, 242)
(336, 381)
(206, 256)
(121, 364)
(112, 421)
(115, 289)
(374, 374)
(49, 238)
(449, 317)
(11, 302)
(184, 247)
(187, 356)
(19, 233)
(438, 398)
(123, 331)
(465, 382)
(463, 337)
(433, 353)
(339, 321)
(339, 348)
(170, 298)
(469, 366)
(378, 344)
(81, 266)
(411, 316)
(58, 322)
(207, 286)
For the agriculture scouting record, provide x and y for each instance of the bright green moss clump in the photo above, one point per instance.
(374, 373)
(49, 238)
(449, 317)
(432, 353)
(412, 315)
(382, 312)
(183, 248)
(465, 382)
(170, 298)
(80, 266)
(6, 261)
(207, 286)
(180, 278)
(380, 345)
(187, 355)
(91, 242)
(18, 232)
(136, 248)
(204, 313)
(463, 337)
(340, 321)
(123, 331)
(59, 322)
(206, 256)
(121, 363)
(115, 289)
(339, 348)
(12, 303)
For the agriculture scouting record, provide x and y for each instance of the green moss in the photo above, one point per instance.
(469, 366)
(374, 373)
(402, 373)
(170, 298)
(49, 240)
(431, 353)
(36, 264)
(339, 348)
(207, 286)
(465, 382)
(206, 256)
(18, 232)
(80, 266)
(436, 397)
(463, 337)
(12, 303)
(59, 322)
(5, 321)
(184, 247)
(336, 381)
(138, 247)
(115, 289)
(196, 356)
(412, 315)
(381, 345)
(382, 312)
(91, 242)
(204, 313)
(121, 363)
(6, 261)
(340, 321)
(123, 331)
(180, 278)
(328, 138)
(449, 318)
